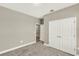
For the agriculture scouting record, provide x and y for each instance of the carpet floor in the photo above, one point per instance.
(37, 49)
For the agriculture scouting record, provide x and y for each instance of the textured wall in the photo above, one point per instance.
(15, 28)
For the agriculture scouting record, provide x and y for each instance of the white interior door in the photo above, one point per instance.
(62, 34)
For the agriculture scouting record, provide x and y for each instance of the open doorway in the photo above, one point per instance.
(37, 32)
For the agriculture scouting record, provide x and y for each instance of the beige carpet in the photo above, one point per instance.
(37, 49)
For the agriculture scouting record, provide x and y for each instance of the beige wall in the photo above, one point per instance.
(64, 13)
(15, 27)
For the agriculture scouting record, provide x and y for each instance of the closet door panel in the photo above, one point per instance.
(69, 33)
(55, 35)
(62, 34)
(52, 31)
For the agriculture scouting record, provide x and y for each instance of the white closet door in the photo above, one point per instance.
(55, 34)
(69, 35)
(62, 34)
(52, 34)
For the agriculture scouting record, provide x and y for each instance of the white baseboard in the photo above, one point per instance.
(46, 44)
(17, 47)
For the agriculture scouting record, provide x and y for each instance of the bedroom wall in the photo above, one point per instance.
(63, 13)
(15, 29)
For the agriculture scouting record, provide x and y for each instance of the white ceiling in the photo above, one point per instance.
(36, 10)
